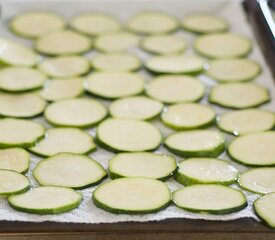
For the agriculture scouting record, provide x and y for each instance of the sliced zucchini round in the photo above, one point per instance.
(174, 89)
(265, 207)
(255, 149)
(19, 79)
(188, 116)
(223, 45)
(64, 42)
(175, 64)
(65, 66)
(140, 108)
(58, 89)
(23, 105)
(127, 135)
(206, 171)
(118, 62)
(46, 200)
(210, 198)
(239, 95)
(13, 182)
(152, 23)
(196, 143)
(16, 54)
(116, 42)
(142, 164)
(204, 23)
(233, 70)
(113, 85)
(95, 23)
(19, 133)
(246, 121)
(15, 159)
(164, 45)
(79, 112)
(69, 170)
(132, 196)
(36, 24)
(259, 180)
(58, 140)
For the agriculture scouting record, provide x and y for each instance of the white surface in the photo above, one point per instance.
(87, 212)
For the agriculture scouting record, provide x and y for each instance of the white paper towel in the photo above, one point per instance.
(123, 9)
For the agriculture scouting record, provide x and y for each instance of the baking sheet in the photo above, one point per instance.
(123, 9)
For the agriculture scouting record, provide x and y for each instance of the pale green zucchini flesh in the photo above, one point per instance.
(175, 89)
(19, 133)
(46, 200)
(15, 159)
(58, 140)
(196, 143)
(79, 112)
(19, 79)
(188, 116)
(203, 23)
(132, 196)
(142, 164)
(206, 171)
(246, 121)
(36, 24)
(69, 170)
(127, 135)
(255, 149)
(210, 198)
(139, 107)
(12, 183)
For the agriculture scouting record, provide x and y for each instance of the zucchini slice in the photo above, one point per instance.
(65, 42)
(79, 112)
(113, 85)
(140, 108)
(46, 200)
(19, 79)
(264, 208)
(164, 45)
(23, 105)
(14, 159)
(65, 66)
(95, 23)
(59, 89)
(223, 45)
(175, 64)
(127, 135)
(58, 140)
(255, 149)
(210, 198)
(206, 171)
(19, 133)
(150, 23)
(203, 23)
(36, 24)
(16, 54)
(246, 121)
(132, 196)
(142, 164)
(174, 89)
(188, 116)
(259, 180)
(233, 70)
(69, 170)
(13, 182)
(118, 62)
(239, 95)
(116, 42)
(196, 143)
